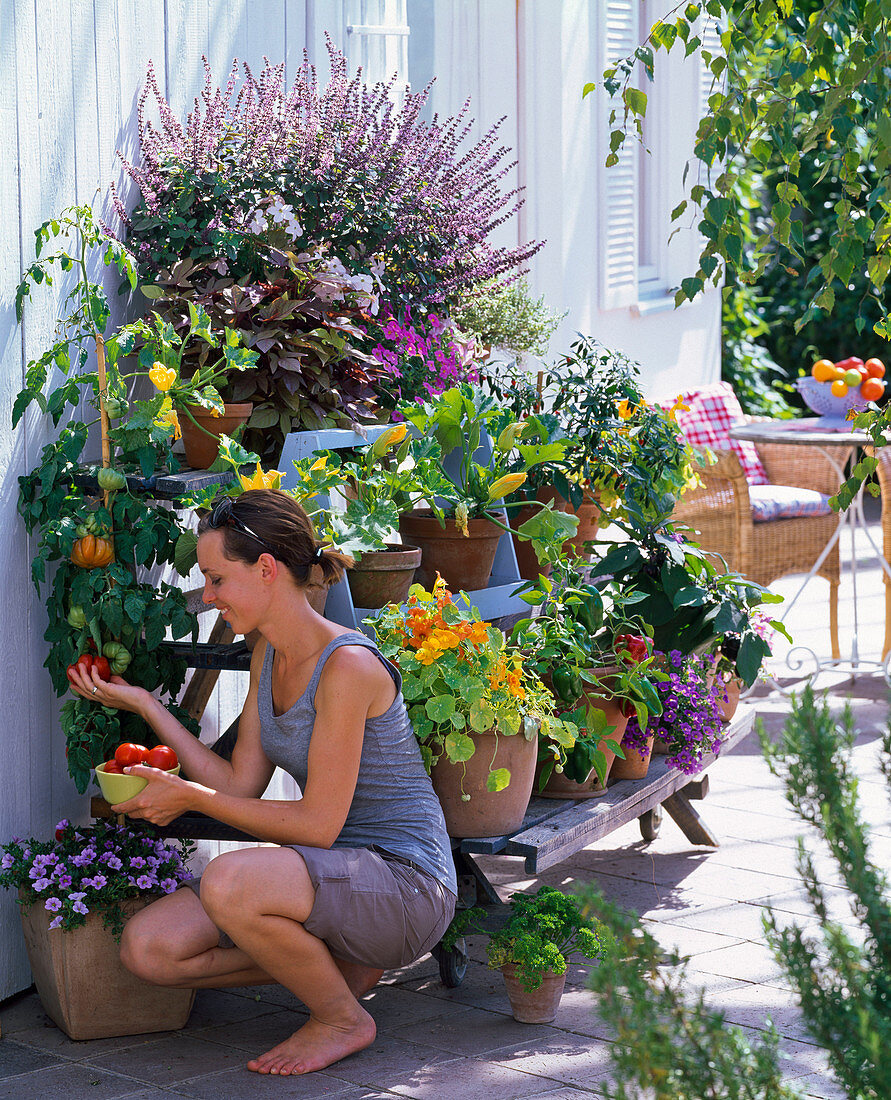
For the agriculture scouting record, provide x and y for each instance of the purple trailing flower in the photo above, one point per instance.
(690, 722)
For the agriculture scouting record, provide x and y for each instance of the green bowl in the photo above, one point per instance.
(119, 788)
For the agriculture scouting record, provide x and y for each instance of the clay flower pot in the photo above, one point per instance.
(384, 576)
(487, 813)
(202, 449)
(463, 561)
(533, 1006)
(85, 988)
(635, 765)
(730, 699)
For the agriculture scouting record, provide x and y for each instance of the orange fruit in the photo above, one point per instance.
(872, 389)
(875, 368)
(824, 370)
(839, 388)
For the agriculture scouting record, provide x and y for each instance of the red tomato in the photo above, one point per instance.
(128, 754)
(875, 368)
(112, 767)
(161, 756)
(851, 363)
(102, 667)
(85, 663)
(872, 389)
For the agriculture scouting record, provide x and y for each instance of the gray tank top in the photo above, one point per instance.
(394, 805)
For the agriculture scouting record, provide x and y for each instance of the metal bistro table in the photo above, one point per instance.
(811, 432)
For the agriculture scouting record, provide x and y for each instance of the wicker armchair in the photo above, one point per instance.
(883, 472)
(720, 513)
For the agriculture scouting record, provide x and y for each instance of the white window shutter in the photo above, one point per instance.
(377, 39)
(618, 190)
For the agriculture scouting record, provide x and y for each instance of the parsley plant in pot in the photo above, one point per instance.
(475, 708)
(532, 948)
(76, 892)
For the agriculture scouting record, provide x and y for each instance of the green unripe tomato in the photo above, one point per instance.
(110, 479)
(118, 657)
(115, 407)
(851, 378)
(77, 617)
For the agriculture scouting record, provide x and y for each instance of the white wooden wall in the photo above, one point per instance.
(72, 72)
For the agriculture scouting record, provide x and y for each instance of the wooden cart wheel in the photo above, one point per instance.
(452, 964)
(650, 822)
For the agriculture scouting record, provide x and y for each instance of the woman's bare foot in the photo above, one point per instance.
(315, 1046)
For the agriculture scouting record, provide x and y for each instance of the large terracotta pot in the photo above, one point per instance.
(588, 513)
(380, 577)
(487, 813)
(85, 988)
(635, 765)
(463, 561)
(533, 1006)
(202, 449)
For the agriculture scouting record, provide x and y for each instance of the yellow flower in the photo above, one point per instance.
(505, 485)
(167, 418)
(461, 519)
(269, 479)
(319, 464)
(390, 438)
(163, 377)
(677, 407)
(625, 409)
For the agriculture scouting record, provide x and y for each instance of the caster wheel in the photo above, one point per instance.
(650, 822)
(452, 964)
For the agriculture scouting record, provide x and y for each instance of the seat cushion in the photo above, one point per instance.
(711, 412)
(786, 502)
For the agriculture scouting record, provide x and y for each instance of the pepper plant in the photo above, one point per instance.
(101, 532)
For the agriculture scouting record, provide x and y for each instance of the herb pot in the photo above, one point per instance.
(383, 576)
(202, 448)
(588, 513)
(527, 560)
(559, 785)
(730, 698)
(636, 764)
(463, 561)
(533, 1006)
(86, 989)
(486, 813)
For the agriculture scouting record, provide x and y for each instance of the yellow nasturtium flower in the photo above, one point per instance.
(261, 479)
(677, 407)
(161, 376)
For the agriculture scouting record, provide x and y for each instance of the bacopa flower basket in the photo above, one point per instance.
(76, 892)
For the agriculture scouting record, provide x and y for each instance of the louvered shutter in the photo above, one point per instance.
(619, 192)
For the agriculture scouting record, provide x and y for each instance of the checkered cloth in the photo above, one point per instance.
(711, 412)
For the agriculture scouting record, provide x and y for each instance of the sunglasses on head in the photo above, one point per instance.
(221, 515)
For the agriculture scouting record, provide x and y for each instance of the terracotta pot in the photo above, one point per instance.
(464, 561)
(662, 748)
(487, 813)
(533, 1006)
(85, 988)
(202, 449)
(730, 701)
(527, 560)
(560, 785)
(635, 765)
(588, 513)
(380, 577)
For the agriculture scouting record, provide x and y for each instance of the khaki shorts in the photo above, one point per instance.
(371, 907)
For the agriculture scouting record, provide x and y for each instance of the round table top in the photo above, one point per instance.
(810, 431)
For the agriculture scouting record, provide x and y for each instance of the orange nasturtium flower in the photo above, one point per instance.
(162, 377)
(626, 410)
(261, 479)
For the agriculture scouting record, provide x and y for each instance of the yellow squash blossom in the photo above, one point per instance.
(167, 418)
(261, 479)
(162, 377)
(393, 436)
(505, 485)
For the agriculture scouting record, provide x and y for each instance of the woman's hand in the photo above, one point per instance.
(164, 799)
(115, 692)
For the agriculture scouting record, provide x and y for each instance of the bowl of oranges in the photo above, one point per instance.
(833, 390)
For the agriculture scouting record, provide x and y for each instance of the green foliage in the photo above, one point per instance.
(758, 381)
(541, 930)
(687, 600)
(666, 1044)
(507, 318)
(61, 499)
(842, 977)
